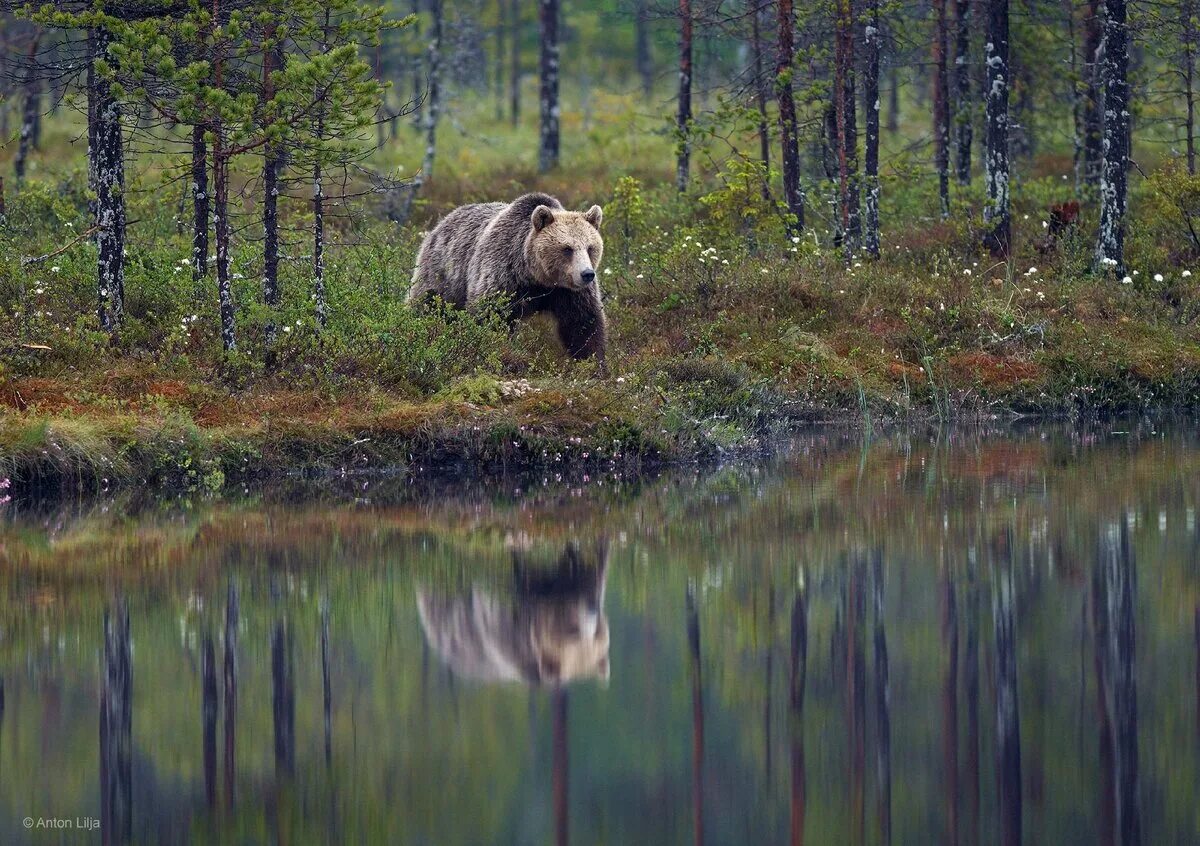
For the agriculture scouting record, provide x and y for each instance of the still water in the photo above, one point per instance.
(967, 637)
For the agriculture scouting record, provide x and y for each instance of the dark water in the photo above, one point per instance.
(971, 638)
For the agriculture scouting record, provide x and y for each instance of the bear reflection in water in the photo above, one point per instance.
(550, 631)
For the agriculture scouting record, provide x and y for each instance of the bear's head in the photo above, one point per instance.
(565, 247)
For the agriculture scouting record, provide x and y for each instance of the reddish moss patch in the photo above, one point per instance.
(992, 372)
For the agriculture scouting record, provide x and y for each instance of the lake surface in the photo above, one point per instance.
(972, 637)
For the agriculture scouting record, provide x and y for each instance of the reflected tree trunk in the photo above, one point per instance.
(116, 728)
(883, 720)
(561, 771)
(208, 716)
(693, 636)
(1008, 720)
(327, 698)
(971, 686)
(283, 698)
(799, 675)
(856, 682)
(768, 682)
(950, 704)
(1115, 587)
(230, 679)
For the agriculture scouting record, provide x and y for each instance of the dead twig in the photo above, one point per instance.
(83, 236)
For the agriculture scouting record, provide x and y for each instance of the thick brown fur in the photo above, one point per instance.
(543, 258)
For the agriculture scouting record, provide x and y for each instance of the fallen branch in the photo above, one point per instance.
(28, 260)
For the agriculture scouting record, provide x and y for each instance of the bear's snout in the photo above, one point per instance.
(588, 276)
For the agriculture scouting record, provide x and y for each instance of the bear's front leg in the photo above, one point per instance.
(581, 324)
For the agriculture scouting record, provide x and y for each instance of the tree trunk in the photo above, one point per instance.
(272, 61)
(962, 86)
(1189, 74)
(548, 139)
(320, 304)
(1008, 713)
(871, 108)
(941, 106)
(847, 129)
(1091, 105)
(893, 118)
(433, 106)
(229, 675)
(684, 119)
(222, 232)
(116, 727)
(200, 204)
(997, 212)
(418, 79)
(29, 112)
(500, 59)
(1078, 127)
(760, 93)
(793, 195)
(106, 167)
(514, 60)
(641, 49)
(1110, 241)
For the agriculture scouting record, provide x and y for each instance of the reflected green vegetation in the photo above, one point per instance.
(971, 637)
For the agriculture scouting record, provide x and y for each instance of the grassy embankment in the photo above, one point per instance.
(721, 330)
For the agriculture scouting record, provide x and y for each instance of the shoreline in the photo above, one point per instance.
(48, 454)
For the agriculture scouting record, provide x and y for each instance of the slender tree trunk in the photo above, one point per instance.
(871, 109)
(847, 130)
(548, 138)
(962, 86)
(208, 716)
(320, 304)
(433, 107)
(514, 62)
(641, 48)
(1110, 240)
(996, 164)
(29, 112)
(1092, 117)
(797, 678)
(941, 106)
(283, 698)
(1077, 96)
(222, 232)
(683, 122)
(1187, 12)
(696, 673)
(418, 76)
(106, 167)
(200, 204)
(272, 61)
(499, 60)
(893, 118)
(760, 92)
(789, 141)
(950, 707)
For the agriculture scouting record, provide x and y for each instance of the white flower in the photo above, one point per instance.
(764, 271)
(1135, 273)
(1045, 224)
(1158, 277)
(1031, 271)
(640, 276)
(39, 290)
(966, 271)
(1186, 274)
(55, 269)
(795, 239)
(287, 328)
(608, 270)
(1128, 280)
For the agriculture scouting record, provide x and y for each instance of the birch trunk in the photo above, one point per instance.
(871, 108)
(514, 59)
(847, 129)
(941, 107)
(684, 118)
(106, 167)
(1110, 240)
(200, 204)
(548, 139)
(272, 61)
(793, 196)
(962, 88)
(996, 163)
(433, 106)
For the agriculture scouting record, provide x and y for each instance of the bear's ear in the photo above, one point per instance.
(594, 216)
(542, 217)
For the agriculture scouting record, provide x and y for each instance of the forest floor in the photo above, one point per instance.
(724, 333)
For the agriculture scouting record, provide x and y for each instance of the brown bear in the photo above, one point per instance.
(541, 256)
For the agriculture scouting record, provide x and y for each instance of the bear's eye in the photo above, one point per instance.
(568, 251)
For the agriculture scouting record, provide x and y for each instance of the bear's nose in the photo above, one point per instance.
(588, 276)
